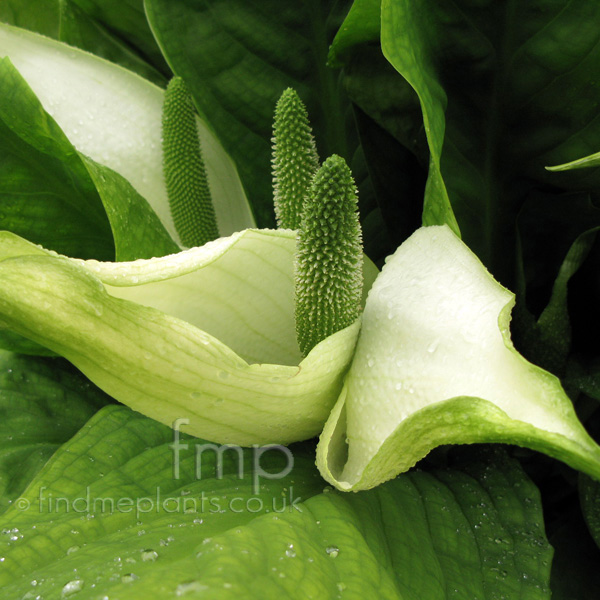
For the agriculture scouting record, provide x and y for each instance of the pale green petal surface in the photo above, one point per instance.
(163, 345)
(114, 117)
(435, 365)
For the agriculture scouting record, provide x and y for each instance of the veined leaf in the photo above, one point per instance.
(113, 116)
(107, 516)
(435, 365)
(122, 462)
(173, 337)
(43, 403)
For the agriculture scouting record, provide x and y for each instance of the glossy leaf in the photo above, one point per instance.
(44, 183)
(43, 402)
(82, 208)
(118, 523)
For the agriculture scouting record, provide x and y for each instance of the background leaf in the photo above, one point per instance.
(43, 402)
(473, 531)
(565, 225)
(575, 573)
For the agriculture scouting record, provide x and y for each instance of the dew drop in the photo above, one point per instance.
(129, 577)
(72, 587)
(72, 549)
(333, 551)
(433, 347)
(189, 587)
(290, 552)
(149, 555)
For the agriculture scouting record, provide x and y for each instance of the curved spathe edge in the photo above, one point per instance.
(462, 420)
(458, 420)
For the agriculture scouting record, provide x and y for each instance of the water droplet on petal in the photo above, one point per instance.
(72, 587)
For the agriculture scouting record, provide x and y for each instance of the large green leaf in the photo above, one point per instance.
(435, 365)
(237, 57)
(174, 336)
(63, 20)
(122, 462)
(113, 117)
(43, 403)
(255, 524)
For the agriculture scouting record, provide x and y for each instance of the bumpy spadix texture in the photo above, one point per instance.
(185, 174)
(295, 159)
(328, 275)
